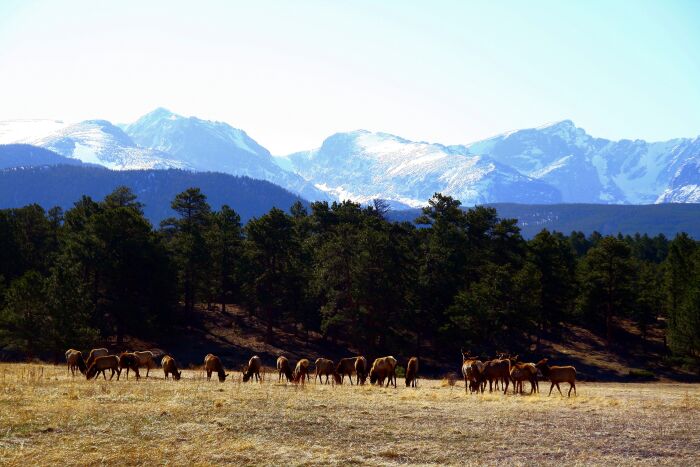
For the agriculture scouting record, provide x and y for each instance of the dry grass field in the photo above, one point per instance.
(48, 417)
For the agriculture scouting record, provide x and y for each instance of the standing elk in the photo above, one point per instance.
(283, 368)
(472, 372)
(558, 374)
(324, 367)
(146, 360)
(252, 369)
(345, 367)
(361, 369)
(412, 372)
(74, 359)
(170, 367)
(130, 362)
(213, 363)
(497, 370)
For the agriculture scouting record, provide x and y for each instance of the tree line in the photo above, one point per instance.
(452, 278)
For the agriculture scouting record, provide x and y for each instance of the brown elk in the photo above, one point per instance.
(146, 360)
(558, 374)
(94, 353)
(170, 367)
(301, 371)
(213, 363)
(283, 368)
(74, 358)
(472, 372)
(130, 362)
(361, 369)
(345, 367)
(521, 372)
(412, 372)
(102, 364)
(252, 369)
(497, 370)
(324, 367)
(383, 368)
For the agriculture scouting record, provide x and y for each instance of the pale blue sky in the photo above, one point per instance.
(291, 73)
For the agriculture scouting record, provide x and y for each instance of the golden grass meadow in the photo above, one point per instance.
(48, 417)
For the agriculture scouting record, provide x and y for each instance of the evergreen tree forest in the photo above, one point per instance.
(452, 278)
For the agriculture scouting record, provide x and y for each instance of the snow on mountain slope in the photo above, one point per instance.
(100, 142)
(27, 130)
(214, 146)
(685, 185)
(588, 169)
(361, 165)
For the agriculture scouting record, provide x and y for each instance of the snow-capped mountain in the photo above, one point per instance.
(214, 146)
(100, 142)
(361, 165)
(685, 184)
(588, 169)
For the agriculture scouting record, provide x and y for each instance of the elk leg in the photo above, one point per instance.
(559, 389)
(550, 389)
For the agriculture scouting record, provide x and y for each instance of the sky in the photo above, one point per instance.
(291, 73)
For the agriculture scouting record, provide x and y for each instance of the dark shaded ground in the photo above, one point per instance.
(235, 337)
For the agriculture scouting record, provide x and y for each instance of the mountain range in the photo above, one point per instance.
(556, 163)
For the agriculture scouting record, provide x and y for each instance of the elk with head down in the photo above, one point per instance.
(252, 369)
(102, 364)
(283, 368)
(213, 363)
(74, 358)
(383, 368)
(301, 371)
(170, 367)
(412, 372)
(94, 353)
(558, 374)
(521, 372)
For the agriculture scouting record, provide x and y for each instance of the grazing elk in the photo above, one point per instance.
(102, 364)
(170, 367)
(213, 363)
(324, 367)
(283, 368)
(383, 368)
(558, 374)
(345, 367)
(146, 360)
(252, 369)
(412, 372)
(74, 358)
(94, 353)
(361, 369)
(301, 371)
(472, 372)
(130, 362)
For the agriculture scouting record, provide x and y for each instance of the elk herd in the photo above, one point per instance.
(499, 372)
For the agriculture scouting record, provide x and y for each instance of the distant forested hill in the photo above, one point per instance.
(26, 155)
(63, 185)
(607, 219)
